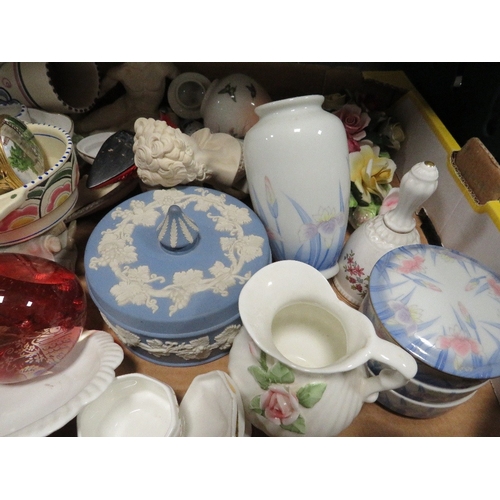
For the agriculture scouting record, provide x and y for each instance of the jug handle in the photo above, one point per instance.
(401, 367)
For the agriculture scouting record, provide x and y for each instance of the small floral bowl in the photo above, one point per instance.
(442, 307)
(40, 204)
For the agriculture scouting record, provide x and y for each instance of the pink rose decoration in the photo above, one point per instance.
(355, 121)
(279, 405)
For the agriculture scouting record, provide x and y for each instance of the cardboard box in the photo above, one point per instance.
(465, 209)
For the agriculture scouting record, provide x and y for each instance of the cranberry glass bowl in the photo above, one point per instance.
(42, 314)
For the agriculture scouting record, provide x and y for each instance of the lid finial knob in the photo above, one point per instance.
(178, 232)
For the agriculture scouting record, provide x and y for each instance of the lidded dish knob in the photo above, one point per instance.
(178, 232)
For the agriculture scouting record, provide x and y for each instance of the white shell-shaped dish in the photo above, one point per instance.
(43, 405)
(134, 405)
(212, 407)
(88, 147)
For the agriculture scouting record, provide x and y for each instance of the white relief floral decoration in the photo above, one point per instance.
(196, 349)
(136, 284)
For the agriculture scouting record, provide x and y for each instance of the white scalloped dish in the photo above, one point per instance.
(43, 405)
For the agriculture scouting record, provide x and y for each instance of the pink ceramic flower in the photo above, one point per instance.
(390, 201)
(355, 121)
(279, 405)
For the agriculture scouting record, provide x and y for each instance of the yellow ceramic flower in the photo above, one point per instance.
(371, 173)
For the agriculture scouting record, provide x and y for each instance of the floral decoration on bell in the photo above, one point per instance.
(371, 135)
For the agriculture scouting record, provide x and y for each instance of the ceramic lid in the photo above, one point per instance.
(441, 306)
(173, 261)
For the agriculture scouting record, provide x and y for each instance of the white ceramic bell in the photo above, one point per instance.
(384, 232)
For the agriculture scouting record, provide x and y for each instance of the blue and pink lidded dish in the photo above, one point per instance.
(166, 268)
(441, 306)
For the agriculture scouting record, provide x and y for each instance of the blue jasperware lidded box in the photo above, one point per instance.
(166, 268)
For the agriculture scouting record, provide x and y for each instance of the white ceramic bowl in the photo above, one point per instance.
(407, 407)
(134, 405)
(229, 104)
(88, 147)
(40, 204)
(15, 109)
(55, 119)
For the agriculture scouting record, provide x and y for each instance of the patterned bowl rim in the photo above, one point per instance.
(44, 129)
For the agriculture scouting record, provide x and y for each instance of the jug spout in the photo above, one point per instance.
(292, 313)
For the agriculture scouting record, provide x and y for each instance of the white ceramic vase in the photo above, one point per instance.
(297, 167)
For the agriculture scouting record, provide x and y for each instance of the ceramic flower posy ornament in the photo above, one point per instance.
(371, 135)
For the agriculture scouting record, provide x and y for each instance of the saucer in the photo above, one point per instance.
(43, 405)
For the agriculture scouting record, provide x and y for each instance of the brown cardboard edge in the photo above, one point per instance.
(478, 171)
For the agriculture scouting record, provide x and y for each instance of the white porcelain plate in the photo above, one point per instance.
(42, 405)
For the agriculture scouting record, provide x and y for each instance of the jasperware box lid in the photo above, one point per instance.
(442, 306)
(173, 261)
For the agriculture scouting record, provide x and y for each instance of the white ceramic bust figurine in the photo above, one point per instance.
(167, 157)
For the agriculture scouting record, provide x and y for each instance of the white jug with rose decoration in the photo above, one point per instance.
(299, 360)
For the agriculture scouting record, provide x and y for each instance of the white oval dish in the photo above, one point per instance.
(43, 405)
(88, 147)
